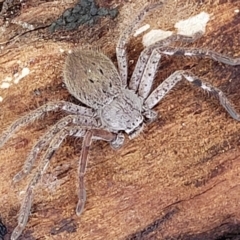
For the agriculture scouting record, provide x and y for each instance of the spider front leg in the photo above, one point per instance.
(27, 202)
(76, 131)
(147, 53)
(98, 134)
(122, 42)
(39, 112)
(157, 95)
(87, 140)
(47, 137)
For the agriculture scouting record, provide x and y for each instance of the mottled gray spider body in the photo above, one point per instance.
(117, 108)
(114, 107)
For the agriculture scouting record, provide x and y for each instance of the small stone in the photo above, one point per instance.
(93, 20)
(67, 13)
(93, 10)
(72, 18)
(113, 12)
(53, 27)
(77, 9)
(102, 12)
(83, 11)
(83, 19)
(71, 26)
(85, 3)
(61, 22)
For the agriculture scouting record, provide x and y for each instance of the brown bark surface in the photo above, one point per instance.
(180, 179)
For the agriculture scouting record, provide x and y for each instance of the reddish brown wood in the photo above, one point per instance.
(179, 179)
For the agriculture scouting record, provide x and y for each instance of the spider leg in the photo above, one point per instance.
(23, 216)
(146, 54)
(47, 137)
(157, 95)
(77, 131)
(39, 112)
(149, 74)
(26, 204)
(87, 140)
(122, 42)
(200, 53)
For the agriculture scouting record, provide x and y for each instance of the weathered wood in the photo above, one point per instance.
(178, 180)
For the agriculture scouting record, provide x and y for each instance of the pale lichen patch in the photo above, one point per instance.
(192, 25)
(5, 85)
(187, 27)
(141, 30)
(155, 35)
(24, 73)
(7, 79)
(61, 50)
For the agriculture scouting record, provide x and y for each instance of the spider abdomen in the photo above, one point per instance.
(91, 77)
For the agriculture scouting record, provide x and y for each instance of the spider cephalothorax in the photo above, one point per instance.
(114, 107)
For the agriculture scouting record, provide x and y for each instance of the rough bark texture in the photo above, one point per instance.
(180, 179)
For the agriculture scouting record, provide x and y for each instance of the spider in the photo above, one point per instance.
(114, 107)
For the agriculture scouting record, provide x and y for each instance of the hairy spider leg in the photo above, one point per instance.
(149, 74)
(47, 137)
(26, 204)
(98, 134)
(76, 131)
(122, 42)
(164, 88)
(87, 141)
(23, 214)
(39, 112)
(147, 52)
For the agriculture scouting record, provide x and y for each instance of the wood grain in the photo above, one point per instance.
(180, 179)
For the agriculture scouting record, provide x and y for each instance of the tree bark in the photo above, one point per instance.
(180, 179)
